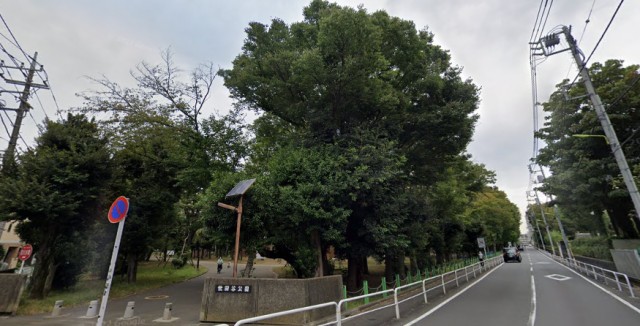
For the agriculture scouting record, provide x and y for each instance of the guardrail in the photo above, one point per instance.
(583, 267)
(284, 313)
(444, 280)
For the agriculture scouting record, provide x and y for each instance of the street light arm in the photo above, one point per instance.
(606, 139)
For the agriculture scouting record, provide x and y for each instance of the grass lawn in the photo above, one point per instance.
(150, 276)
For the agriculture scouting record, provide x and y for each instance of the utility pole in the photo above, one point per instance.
(22, 109)
(556, 213)
(549, 42)
(544, 218)
(532, 216)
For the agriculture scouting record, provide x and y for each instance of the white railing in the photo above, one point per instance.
(583, 267)
(457, 274)
(284, 313)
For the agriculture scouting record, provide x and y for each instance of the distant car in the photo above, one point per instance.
(520, 247)
(511, 254)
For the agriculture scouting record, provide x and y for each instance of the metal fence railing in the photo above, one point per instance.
(598, 273)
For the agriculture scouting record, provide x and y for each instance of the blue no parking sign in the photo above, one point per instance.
(118, 209)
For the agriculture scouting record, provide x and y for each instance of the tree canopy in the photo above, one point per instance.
(585, 177)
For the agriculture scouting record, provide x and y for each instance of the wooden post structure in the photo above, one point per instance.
(239, 189)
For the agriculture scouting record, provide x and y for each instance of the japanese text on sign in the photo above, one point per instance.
(233, 288)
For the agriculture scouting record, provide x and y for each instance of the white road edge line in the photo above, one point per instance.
(623, 301)
(450, 299)
(532, 315)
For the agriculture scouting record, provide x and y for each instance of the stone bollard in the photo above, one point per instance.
(166, 316)
(57, 308)
(167, 311)
(92, 311)
(128, 312)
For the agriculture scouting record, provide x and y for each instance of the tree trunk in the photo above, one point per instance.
(40, 274)
(132, 268)
(248, 268)
(317, 246)
(354, 274)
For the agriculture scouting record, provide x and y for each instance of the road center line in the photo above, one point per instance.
(532, 315)
(449, 300)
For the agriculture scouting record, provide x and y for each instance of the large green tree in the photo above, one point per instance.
(359, 81)
(585, 177)
(163, 131)
(56, 193)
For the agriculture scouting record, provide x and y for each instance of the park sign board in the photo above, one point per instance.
(481, 243)
(233, 288)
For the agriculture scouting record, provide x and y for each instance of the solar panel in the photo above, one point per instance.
(240, 188)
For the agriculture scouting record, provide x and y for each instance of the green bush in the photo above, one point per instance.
(178, 262)
(596, 247)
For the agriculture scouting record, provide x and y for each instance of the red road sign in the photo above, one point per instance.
(25, 252)
(118, 209)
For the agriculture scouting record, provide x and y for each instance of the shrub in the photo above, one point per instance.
(596, 247)
(178, 262)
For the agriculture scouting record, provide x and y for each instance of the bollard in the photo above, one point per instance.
(167, 311)
(166, 316)
(128, 312)
(92, 311)
(57, 308)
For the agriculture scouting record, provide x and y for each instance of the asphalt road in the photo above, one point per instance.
(538, 291)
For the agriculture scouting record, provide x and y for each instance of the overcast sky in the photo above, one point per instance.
(488, 38)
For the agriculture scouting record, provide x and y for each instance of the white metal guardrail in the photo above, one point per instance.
(284, 313)
(457, 274)
(583, 267)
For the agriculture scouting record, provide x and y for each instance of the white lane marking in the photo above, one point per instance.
(452, 297)
(532, 315)
(531, 269)
(558, 277)
(599, 287)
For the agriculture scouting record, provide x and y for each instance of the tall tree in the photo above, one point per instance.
(56, 192)
(585, 176)
(201, 144)
(352, 80)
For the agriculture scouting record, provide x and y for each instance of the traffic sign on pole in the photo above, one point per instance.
(25, 252)
(481, 243)
(118, 209)
(117, 214)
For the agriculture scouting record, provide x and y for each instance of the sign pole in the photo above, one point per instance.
(112, 267)
(117, 214)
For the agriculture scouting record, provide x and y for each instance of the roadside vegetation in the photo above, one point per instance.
(359, 147)
(151, 275)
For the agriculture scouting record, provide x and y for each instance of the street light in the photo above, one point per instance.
(606, 139)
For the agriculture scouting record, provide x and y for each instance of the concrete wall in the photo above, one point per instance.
(625, 243)
(627, 261)
(268, 296)
(11, 286)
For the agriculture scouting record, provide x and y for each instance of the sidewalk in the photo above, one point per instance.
(149, 305)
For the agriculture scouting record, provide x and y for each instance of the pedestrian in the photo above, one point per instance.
(220, 263)
(481, 258)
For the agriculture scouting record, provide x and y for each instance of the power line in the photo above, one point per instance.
(536, 22)
(586, 61)
(14, 38)
(604, 32)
